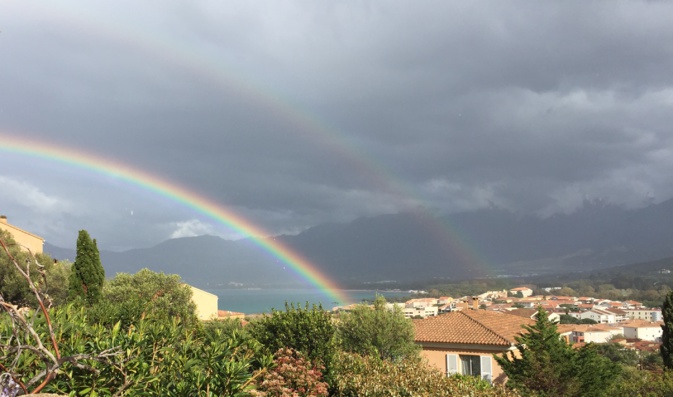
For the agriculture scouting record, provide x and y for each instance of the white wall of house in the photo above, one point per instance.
(644, 314)
(598, 316)
(526, 292)
(591, 336)
(424, 312)
(652, 334)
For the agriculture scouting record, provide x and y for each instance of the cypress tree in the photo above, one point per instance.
(548, 366)
(666, 348)
(88, 275)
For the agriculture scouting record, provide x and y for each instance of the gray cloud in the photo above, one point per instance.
(297, 113)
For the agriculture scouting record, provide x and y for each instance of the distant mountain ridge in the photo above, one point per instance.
(420, 246)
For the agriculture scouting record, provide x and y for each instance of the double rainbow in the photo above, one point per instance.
(172, 191)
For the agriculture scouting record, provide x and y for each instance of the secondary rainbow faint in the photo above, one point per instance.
(173, 191)
(226, 76)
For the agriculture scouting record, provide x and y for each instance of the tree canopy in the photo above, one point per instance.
(145, 295)
(307, 330)
(87, 276)
(377, 331)
(666, 347)
(547, 365)
(14, 287)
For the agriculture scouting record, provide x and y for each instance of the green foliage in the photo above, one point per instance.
(636, 383)
(377, 331)
(130, 298)
(291, 376)
(309, 331)
(587, 321)
(87, 275)
(568, 319)
(468, 287)
(149, 359)
(215, 328)
(14, 287)
(618, 354)
(357, 375)
(651, 361)
(666, 347)
(58, 275)
(545, 364)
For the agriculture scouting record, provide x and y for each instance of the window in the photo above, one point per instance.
(469, 365)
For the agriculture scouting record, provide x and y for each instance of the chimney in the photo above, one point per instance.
(475, 303)
(3, 219)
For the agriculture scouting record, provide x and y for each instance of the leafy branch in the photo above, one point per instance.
(25, 340)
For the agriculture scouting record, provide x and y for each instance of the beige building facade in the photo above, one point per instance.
(28, 241)
(206, 304)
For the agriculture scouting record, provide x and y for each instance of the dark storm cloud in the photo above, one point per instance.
(299, 113)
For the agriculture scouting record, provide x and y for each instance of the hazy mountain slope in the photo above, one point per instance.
(422, 246)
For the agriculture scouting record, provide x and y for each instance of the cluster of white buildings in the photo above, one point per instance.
(614, 319)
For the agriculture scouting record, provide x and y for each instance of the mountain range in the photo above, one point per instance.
(419, 245)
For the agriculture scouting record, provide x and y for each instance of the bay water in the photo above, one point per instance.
(252, 301)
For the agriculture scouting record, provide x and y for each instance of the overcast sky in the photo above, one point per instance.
(296, 113)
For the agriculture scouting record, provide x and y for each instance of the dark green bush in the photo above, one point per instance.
(149, 359)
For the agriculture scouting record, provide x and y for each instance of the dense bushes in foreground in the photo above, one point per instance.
(147, 359)
(152, 358)
(371, 376)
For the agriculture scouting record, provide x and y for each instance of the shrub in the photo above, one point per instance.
(151, 358)
(291, 376)
(377, 331)
(309, 331)
(635, 383)
(357, 375)
(130, 298)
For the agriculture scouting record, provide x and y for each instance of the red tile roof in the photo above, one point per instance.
(471, 327)
(642, 324)
(528, 313)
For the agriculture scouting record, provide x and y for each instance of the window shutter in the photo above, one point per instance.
(451, 364)
(486, 372)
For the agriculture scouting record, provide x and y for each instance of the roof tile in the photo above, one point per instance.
(471, 327)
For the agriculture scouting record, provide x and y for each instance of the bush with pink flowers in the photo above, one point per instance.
(291, 376)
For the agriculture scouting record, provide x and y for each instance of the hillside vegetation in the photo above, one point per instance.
(140, 338)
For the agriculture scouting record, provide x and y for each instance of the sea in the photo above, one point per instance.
(253, 301)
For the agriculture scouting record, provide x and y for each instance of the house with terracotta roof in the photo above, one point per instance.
(532, 314)
(27, 240)
(228, 314)
(422, 312)
(620, 315)
(588, 333)
(643, 330)
(463, 342)
(585, 299)
(421, 302)
(631, 304)
(525, 291)
(600, 316)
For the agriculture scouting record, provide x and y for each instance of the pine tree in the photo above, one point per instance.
(88, 275)
(547, 365)
(666, 348)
